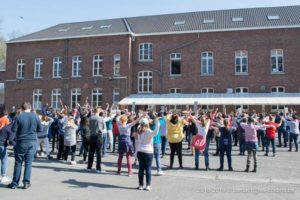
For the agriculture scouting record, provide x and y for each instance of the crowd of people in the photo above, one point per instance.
(140, 136)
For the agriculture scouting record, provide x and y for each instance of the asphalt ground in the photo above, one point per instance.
(277, 178)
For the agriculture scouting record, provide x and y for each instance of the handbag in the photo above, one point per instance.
(199, 143)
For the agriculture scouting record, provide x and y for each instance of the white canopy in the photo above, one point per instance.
(213, 99)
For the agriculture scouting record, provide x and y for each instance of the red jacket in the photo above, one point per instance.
(271, 132)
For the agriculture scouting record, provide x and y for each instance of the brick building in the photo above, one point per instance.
(230, 58)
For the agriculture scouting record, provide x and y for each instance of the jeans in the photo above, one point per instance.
(85, 148)
(157, 156)
(163, 145)
(110, 139)
(4, 159)
(24, 151)
(261, 138)
(176, 147)
(67, 149)
(235, 137)
(104, 144)
(217, 145)
(242, 146)
(206, 155)
(145, 163)
(44, 141)
(225, 149)
(95, 146)
(272, 141)
(282, 132)
(294, 137)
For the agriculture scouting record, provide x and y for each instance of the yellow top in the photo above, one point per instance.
(175, 131)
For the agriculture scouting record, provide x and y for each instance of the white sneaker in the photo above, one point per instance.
(73, 162)
(5, 179)
(160, 173)
(148, 188)
(140, 187)
(64, 161)
(100, 171)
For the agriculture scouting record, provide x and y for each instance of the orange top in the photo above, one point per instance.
(4, 121)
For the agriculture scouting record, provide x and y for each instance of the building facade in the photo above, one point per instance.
(230, 52)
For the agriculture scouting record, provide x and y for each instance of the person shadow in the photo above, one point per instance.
(82, 184)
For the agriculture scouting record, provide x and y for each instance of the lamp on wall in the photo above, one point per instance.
(18, 80)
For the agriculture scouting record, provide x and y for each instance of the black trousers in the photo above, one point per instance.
(60, 146)
(95, 147)
(176, 147)
(67, 149)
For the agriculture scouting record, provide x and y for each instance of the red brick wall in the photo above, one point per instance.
(223, 44)
(15, 92)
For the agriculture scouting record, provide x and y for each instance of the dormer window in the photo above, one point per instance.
(208, 21)
(182, 22)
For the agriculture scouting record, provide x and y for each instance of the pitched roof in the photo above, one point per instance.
(77, 30)
(204, 21)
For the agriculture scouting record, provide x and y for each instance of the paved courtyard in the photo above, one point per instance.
(277, 178)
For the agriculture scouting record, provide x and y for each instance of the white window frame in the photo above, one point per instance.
(245, 107)
(117, 65)
(207, 107)
(207, 90)
(97, 65)
(206, 57)
(277, 53)
(55, 98)
(175, 57)
(143, 76)
(38, 67)
(241, 90)
(57, 67)
(37, 99)
(145, 54)
(116, 92)
(76, 66)
(98, 93)
(241, 55)
(175, 90)
(278, 108)
(20, 69)
(277, 88)
(76, 92)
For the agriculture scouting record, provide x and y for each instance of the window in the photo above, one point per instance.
(175, 91)
(57, 67)
(55, 98)
(145, 82)
(277, 61)
(96, 97)
(97, 65)
(207, 90)
(179, 22)
(243, 107)
(116, 95)
(273, 17)
(37, 99)
(145, 52)
(207, 107)
(38, 65)
(276, 108)
(117, 63)
(208, 21)
(207, 63)
(241, 90)
(278, 89)
(75, 96)
(237, 19)
(175, 62)
(20, 68)
(241, 62)
(177, 107)
(76, 66)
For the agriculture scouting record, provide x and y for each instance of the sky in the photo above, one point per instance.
(21, 17)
